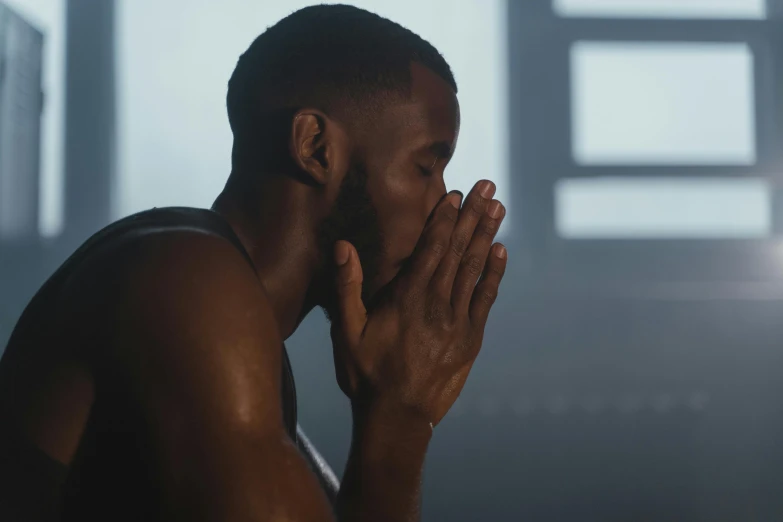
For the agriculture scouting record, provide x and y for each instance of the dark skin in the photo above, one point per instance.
(197, 333)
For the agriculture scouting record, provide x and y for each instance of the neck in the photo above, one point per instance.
(275, 230)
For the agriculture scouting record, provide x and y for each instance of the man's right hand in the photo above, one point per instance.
(414, 348)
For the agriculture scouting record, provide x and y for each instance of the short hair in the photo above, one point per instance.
(330, 57)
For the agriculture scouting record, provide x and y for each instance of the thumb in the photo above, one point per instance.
(353, 315)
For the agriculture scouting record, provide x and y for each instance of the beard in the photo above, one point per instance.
(354, 218)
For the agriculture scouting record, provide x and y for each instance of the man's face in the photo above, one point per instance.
(395, 180)
(354, 218)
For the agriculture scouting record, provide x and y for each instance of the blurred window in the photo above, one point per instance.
(747, 9)
(672, 119)
(48, 16)
(656, 208)
(662, 103)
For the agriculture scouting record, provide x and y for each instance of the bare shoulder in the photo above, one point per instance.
(195, 347)
(201, 270)
(185, 314)
(184, 275)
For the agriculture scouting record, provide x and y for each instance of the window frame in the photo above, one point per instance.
(541, 153)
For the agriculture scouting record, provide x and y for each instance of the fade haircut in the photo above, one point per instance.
(339, 59)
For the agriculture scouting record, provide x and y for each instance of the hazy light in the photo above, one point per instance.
(663, 208)
(662, 103)
(738, 9)
(48, 16)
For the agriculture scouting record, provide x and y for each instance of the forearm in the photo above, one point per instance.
(382, 479)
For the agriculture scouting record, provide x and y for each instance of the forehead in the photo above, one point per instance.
(429, 115)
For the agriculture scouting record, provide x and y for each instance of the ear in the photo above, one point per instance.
(317, 145)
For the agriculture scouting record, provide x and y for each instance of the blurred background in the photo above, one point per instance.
(633, 365)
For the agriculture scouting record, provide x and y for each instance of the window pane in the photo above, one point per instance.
(747, 9)
(48, 16)
(617, 208)
(662, 103)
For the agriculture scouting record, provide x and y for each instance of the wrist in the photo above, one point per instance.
(391, 415)
(384, 469)
(382, 423)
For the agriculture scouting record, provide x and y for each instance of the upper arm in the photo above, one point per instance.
(198, 348)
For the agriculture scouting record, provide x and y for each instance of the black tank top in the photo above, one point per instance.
(109, 478)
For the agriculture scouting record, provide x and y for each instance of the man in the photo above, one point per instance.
(147, 380)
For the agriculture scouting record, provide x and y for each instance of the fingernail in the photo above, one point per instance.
(341, 254)
(494, 209)
(455, 198)
(487, 189)
(501, 252)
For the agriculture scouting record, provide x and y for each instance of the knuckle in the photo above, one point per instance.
(451, 214)
(498, 268)
(478, 205)
(437, 247)
(446, 332)
(489, 295)
(346, 283)
(467, 341)
(436, 313)
(489, 228)
(459, 243)
(472, 264)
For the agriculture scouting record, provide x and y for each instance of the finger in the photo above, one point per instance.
(434, 240)
(474, 208)
(353, 315)
(475, 258)
(487, 289)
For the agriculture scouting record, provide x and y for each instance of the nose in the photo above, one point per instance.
(441, 186)
(437, 193)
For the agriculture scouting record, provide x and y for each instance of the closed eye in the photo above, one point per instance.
(427, 172)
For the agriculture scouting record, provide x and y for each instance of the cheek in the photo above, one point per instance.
(402, 211)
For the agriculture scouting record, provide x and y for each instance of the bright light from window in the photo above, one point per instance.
(737, 9)
(646, 208)
(48, 16)
(662, 103)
